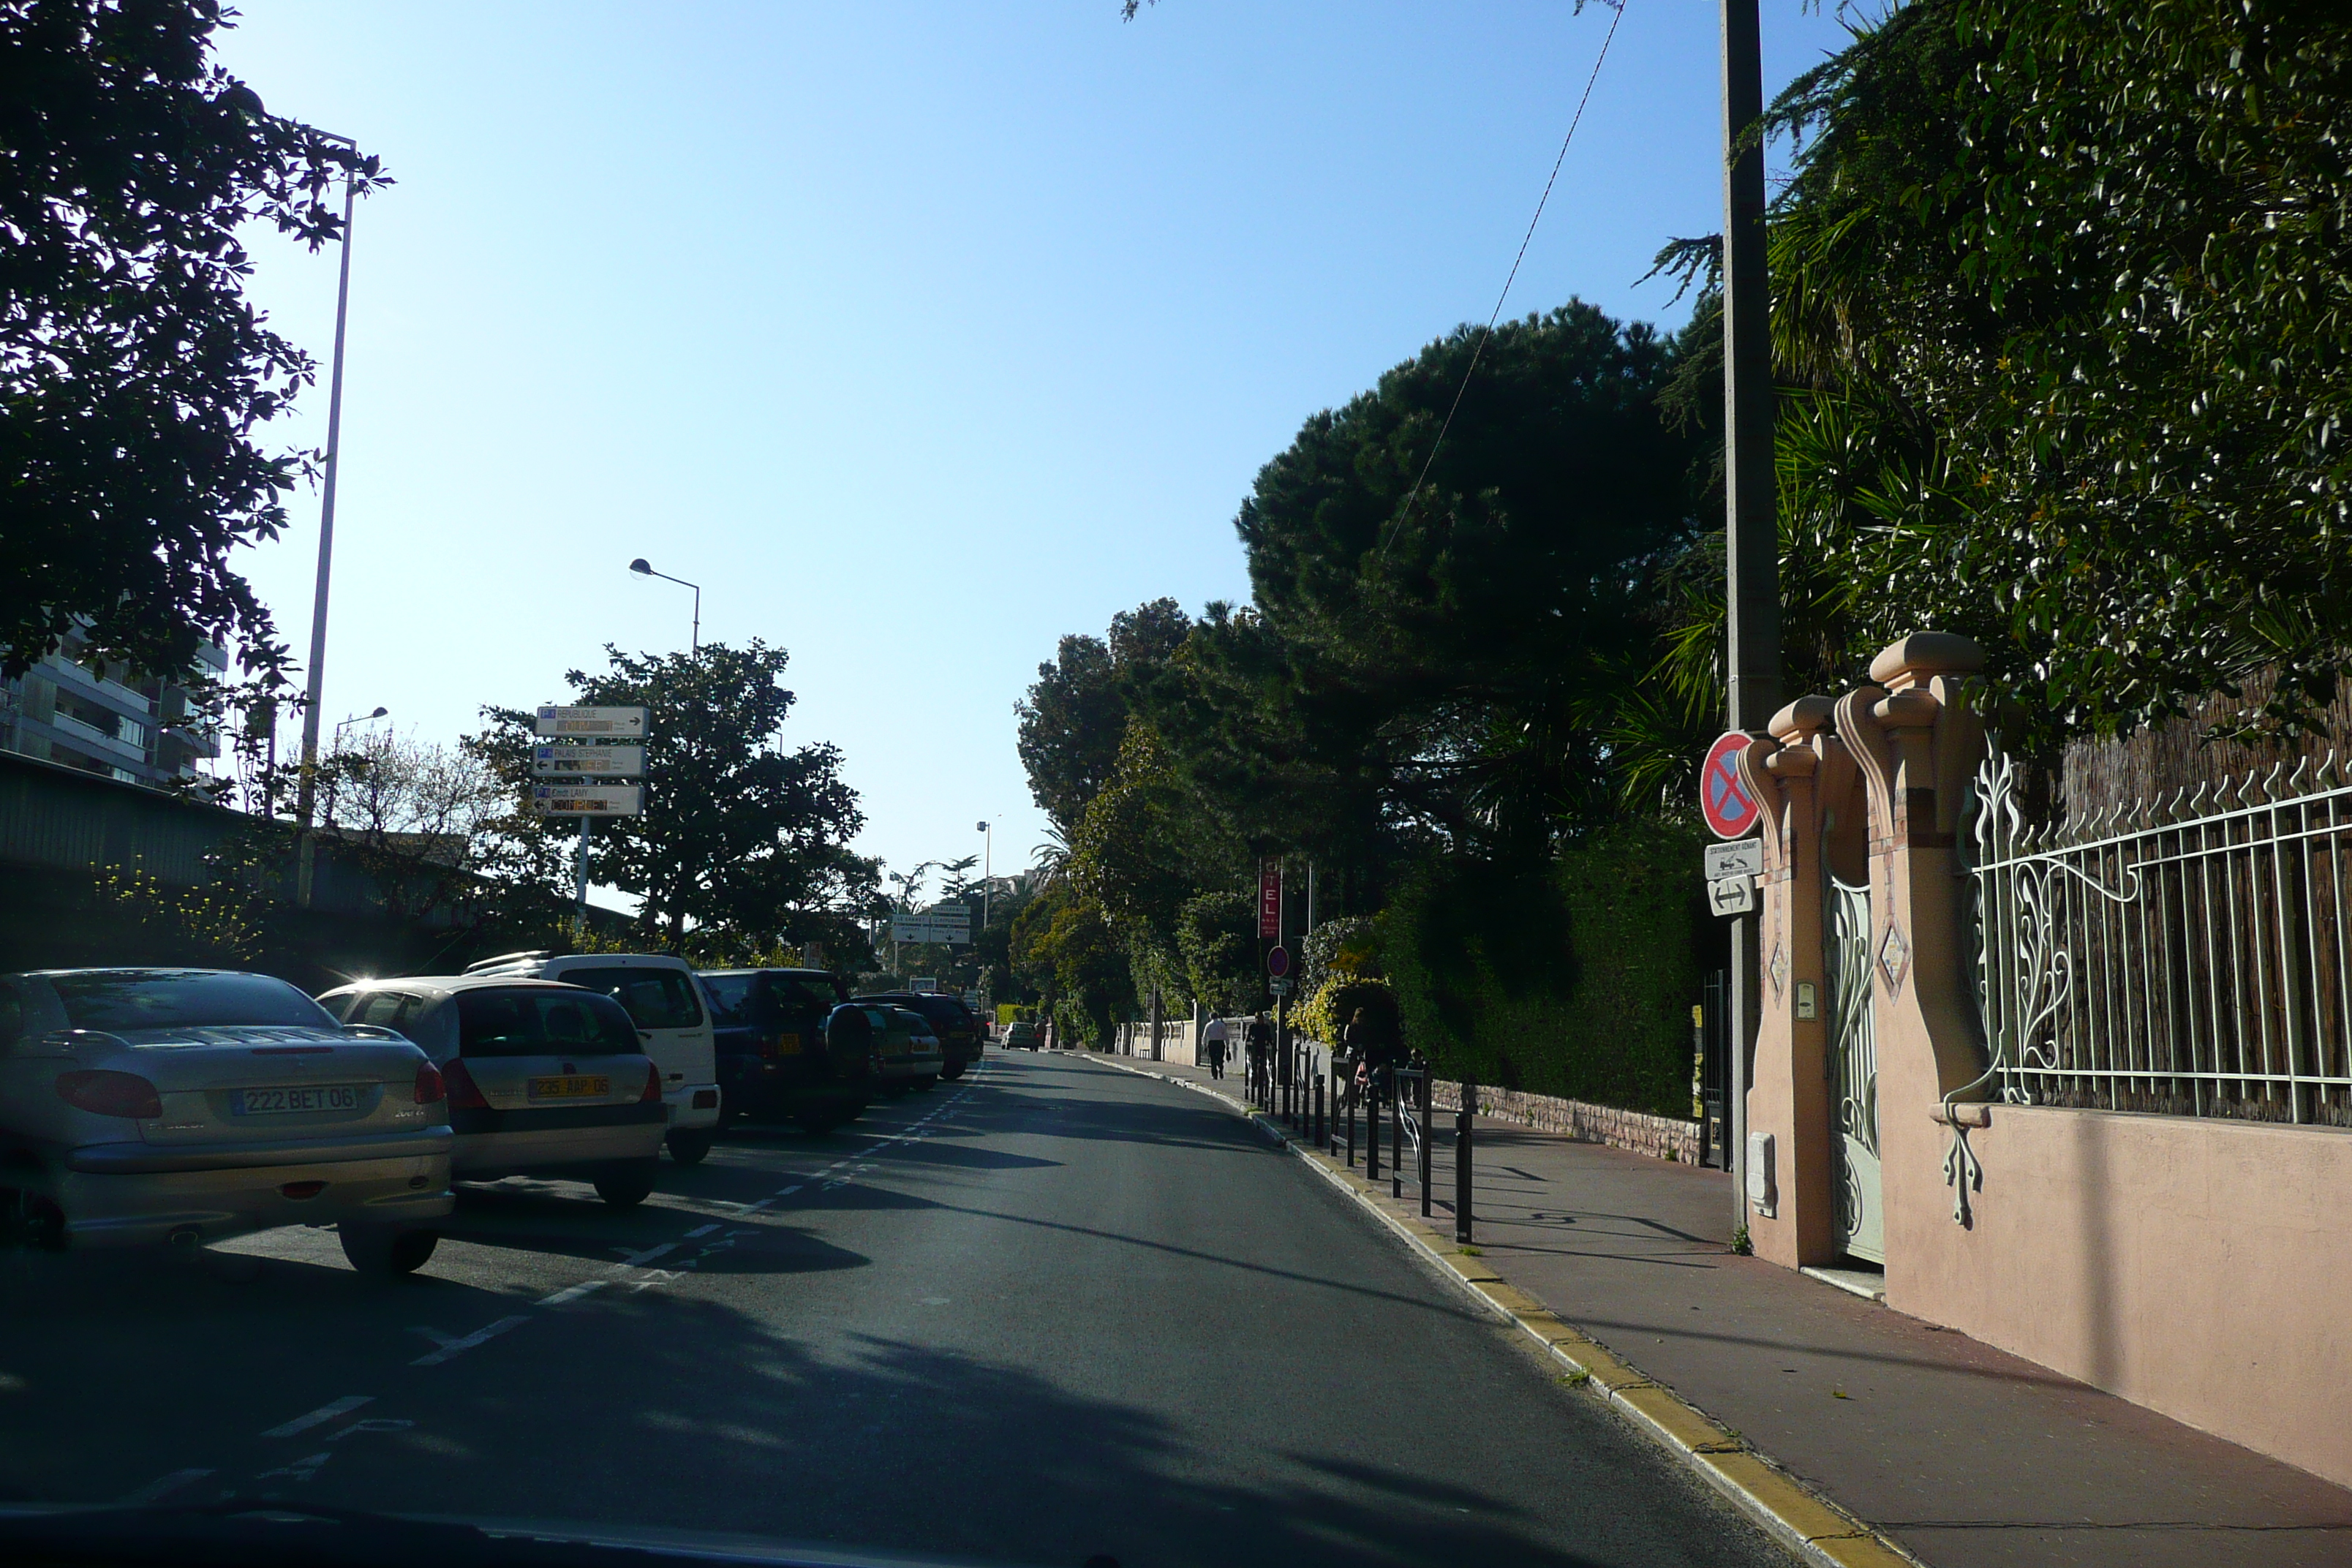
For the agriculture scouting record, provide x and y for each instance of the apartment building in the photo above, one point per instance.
(108, 720)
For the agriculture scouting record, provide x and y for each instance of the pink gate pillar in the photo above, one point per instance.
(1879, 800)
(1794, 1221)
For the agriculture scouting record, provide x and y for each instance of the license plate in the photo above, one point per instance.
(294, 1100)
(578, 1087)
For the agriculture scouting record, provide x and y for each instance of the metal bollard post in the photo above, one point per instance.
(1373, 1128)
(1462, 1119)
(1396, 1137)
(1314, 1121)
(1352, 1123)
(1428, 1137)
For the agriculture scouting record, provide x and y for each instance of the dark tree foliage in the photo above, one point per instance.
(1448, 655)
(2062, 294)
(1075, 718)
(738, 834)
(134, 373)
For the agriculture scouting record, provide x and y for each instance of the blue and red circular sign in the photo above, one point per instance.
(1723, 797)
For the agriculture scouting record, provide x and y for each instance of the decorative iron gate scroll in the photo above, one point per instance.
(1853, 1067)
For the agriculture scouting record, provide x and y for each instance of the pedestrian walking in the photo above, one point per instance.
(1260, 1043)
(1368, 1044)
(1212, 1040)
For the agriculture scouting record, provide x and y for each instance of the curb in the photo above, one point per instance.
(1796, 1515)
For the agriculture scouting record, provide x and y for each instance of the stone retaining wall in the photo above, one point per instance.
(1660, 1137)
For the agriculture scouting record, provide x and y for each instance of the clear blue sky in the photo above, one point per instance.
(919, 334)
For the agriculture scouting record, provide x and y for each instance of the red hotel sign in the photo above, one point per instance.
(1269, 900)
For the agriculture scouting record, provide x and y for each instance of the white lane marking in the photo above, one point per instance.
(321, 1416)
(788, 1192)
(573, 1292)
(301, 1469)
(634, 1259)
(161, 1487)
(707, 1229)
(450, 1348)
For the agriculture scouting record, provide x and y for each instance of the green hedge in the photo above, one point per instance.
(1573, 977)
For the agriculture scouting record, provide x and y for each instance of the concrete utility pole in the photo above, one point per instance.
(307, 790)
(1751, 535)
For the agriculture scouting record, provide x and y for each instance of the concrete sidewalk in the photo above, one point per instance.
(1963, 1455)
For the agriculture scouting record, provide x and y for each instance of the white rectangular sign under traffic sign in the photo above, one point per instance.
(620, 723)
(588, 800)
(585, 761)
(1740, 857)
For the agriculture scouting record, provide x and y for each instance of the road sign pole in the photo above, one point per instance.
(580, 895)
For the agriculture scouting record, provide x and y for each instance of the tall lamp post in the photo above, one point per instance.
(987, 865)
(642, 570)
(306, 792)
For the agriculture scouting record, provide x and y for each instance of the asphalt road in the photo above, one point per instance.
(1054, 1312)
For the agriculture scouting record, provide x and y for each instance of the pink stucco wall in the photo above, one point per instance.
(2202, 1268)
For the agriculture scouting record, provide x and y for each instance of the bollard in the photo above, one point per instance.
(1373, 1128)
(1315, 1130)
(1352, 1123)
(1462, 1119)
(1396, 1136)
(1428, 1137)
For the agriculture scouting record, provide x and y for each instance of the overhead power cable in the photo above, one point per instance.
(1616, 15)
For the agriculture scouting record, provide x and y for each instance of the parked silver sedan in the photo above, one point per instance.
(186, 1105)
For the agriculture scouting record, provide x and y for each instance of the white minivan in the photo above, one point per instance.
(660, 993)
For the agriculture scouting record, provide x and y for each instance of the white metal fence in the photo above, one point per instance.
(2188, 957)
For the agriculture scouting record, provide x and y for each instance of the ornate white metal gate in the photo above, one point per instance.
(1853, 1068)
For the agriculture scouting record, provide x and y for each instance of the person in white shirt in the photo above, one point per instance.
(1213, 1041)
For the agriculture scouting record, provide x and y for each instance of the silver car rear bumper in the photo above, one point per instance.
(115, 1207)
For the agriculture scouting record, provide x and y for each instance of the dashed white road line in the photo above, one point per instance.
(321, 1416)
(571, 1292)
(161, 1487)
(707, 1229)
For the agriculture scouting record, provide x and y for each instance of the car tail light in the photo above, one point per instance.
(652, 1085)
(298, 1191)
(109, 1093)
(429, 1087)
(464, 1093)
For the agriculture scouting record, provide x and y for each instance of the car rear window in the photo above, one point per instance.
(537, 1023)
(729, 996)
(124, 999)
(656, 998)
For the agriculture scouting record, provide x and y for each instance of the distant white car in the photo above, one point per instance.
(544, 1078)
(186, 1105)
(661, 995)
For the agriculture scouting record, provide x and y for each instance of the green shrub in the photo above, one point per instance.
(1572, 978)
(1327, 1012)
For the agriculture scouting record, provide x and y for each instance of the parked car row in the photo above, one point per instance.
(184, 1106)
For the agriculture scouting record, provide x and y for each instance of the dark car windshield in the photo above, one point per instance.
(656, 998)
(122, 999)
(537, 1023)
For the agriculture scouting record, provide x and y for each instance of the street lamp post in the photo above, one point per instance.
(642, 570)
(307, 793)
(987, 867)
(356, 718)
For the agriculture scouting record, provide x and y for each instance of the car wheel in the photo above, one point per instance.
(818, 1120)
(625, 1186)
(924, 1084)
(688, 1145)
(386, 1251)
(952, 1071)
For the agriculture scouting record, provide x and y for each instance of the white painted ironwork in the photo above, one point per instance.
(1853, 1067)
(2186, 956)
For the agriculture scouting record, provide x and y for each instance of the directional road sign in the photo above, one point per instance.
(949, 923)
(619, 723)
(584, 761)
(588, 800)
(1722, 798)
